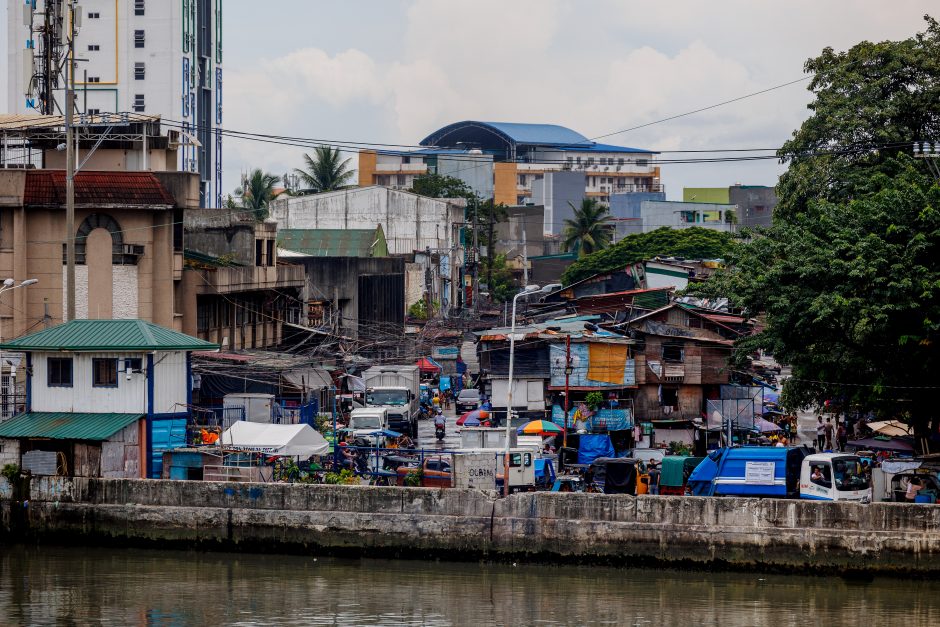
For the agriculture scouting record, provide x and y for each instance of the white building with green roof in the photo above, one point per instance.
(103, 398)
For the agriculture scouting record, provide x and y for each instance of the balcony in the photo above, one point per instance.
(630, 188)
(252, 279)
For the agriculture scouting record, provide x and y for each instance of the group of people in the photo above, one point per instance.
(828, 434)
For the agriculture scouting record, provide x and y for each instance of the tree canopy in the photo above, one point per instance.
(256, 191)
(441, 186)
(589, 230)
(325, 171)
(848, 277)
(693, 243)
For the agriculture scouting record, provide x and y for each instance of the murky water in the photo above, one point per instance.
(59, 586)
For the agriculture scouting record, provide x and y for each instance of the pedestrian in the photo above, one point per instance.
(828, 430)
(913, 487)
(654, 478)
(820, 433)
(842, 436)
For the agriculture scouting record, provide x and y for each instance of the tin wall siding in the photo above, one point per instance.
(170, 382)
(130, 396)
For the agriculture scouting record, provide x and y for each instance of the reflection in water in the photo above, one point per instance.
(51, 585)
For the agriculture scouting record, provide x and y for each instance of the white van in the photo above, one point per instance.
(834, 477)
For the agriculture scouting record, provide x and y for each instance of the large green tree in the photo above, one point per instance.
(256, 191)
(847, 279)
(589, 230)
(693, 243)
(325, 171)
(441, 186)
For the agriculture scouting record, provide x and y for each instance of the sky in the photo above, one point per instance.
(393, 71)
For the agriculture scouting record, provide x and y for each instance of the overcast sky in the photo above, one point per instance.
(392, 71)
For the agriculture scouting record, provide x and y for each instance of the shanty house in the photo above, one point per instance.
(104, 398)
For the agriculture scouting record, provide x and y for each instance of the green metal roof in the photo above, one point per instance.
(107, 335)
(65, 425)
(334, 242)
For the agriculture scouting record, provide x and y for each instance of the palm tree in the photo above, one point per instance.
(256, 192)
(326, 170)
(589, 230)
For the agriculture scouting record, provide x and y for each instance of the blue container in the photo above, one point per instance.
(925, 498)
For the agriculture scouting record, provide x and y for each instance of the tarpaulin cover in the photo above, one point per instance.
(875, 444)
(617, 475)
(606, 362)
(671, 474)
(291, 440)
(592, 447)
(308, 378)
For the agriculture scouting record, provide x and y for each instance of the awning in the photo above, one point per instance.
(309, 378)
(291, 440)
(66, 425)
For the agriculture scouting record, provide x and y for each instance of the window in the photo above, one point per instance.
(670, 398)
(400, 180)
(94, 79)
(259, 252)
(140, 71)
(93, 112)
(139, 7)
(139, 104)
(521, 179)
(134, 364)
(579, 160)
(643, 162)
(139, 39)
(59, 372)
(672, 352)
(590, 161)
(104, 372)
(270, 252)
(93, 15)
(620, 161)
(93, 47)
(820, 475)
(406, 160)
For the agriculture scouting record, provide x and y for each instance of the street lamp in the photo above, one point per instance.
(528, 290)
(8, 286)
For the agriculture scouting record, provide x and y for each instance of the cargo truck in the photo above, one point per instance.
(780, 472)
(396, 388)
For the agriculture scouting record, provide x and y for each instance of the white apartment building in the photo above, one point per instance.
(159, 57)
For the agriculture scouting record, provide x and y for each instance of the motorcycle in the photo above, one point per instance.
(439, 432)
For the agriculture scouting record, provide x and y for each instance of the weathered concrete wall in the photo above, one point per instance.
(737, 533)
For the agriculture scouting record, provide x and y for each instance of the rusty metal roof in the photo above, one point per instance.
(46, 188)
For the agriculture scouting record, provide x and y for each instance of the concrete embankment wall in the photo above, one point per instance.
(415, 522)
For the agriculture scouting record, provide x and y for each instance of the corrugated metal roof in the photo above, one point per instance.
(330, 242)
(522, 134)
(46, 188)
(65, 425)
(25, 121)
(107, 335)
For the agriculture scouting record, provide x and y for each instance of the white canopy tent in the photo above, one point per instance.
(289, 440)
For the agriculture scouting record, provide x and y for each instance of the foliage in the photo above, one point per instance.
(324, 423)
(848, 276)
(589, 230)
(679, 448)
(256, 192)
(594, 400)
(413, 478)
(11, 472)
(694, 243)
(325, 171)
(441, 186)
(871, 103)
(500, 281)
(419, 311)
(343, 477)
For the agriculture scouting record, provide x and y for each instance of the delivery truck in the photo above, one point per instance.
(780, 472)
(396, 388)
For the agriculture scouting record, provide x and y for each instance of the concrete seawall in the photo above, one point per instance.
(735, 533)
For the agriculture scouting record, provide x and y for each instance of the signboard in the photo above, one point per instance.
(445, 352)
(475, 470)
(759, 473)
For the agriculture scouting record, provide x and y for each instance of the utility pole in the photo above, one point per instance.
(567, 391)
(70, 169)
(525, 256)
(476, 257)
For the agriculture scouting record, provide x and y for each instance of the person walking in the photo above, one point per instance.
(842, 436)
(820, 434)
(829, 431)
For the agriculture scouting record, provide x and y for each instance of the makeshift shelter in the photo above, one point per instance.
(428, 366)
(765, 426)
(891, 428)
(288, 440)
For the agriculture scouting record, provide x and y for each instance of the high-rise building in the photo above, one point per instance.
(159, 57)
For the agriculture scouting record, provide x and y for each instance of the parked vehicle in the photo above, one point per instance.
(618, 475)
(434, 472)
(397, 388)
(890, 481)
(467, 400)
(779, 472)
(674, 473)
(366, 421)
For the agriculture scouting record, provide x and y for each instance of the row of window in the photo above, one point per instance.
(140, 7)
(104, 371)
(606, 161)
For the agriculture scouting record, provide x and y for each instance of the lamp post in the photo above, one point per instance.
(8, 286)
(526, 291)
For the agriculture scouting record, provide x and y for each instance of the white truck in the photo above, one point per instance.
(396, 388)
(368, 420)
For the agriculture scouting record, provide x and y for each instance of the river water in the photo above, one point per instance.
(95, 586)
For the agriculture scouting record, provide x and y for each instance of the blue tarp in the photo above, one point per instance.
(444, 383)
(543, 467)
(590, 447)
